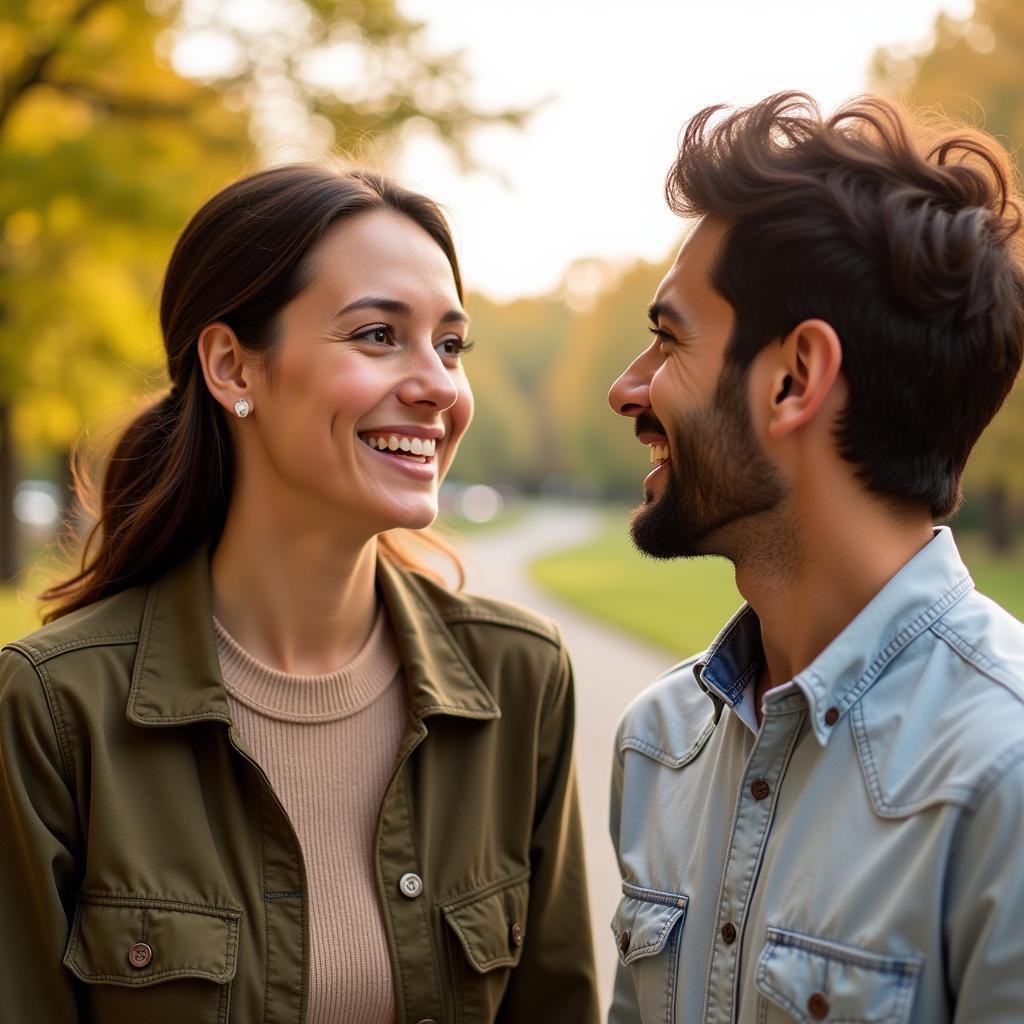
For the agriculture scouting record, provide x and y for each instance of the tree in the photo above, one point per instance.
(971, 70)
(602, 343)
(106, 147)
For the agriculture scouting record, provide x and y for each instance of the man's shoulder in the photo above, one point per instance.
(937, 728)
(670, 719)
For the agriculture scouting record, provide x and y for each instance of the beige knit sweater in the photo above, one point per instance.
(328, 744)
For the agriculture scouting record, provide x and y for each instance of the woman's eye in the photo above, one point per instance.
(453, 346)
(379, 334)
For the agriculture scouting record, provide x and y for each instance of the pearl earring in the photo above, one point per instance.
(242, 408)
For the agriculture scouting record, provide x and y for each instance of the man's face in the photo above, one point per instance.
(711, 475)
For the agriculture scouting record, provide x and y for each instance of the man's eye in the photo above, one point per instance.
(660, 334)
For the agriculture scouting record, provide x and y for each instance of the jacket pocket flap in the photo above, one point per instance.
(642, 926)
(812, 979)
(128, 941)
(491, 926)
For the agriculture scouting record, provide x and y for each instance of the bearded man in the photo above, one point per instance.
(821, 816)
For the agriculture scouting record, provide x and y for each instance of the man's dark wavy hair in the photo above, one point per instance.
(904, 236)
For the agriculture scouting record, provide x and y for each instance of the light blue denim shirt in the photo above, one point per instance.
(860, 857)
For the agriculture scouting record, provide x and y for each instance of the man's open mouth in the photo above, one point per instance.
(659, 452)
(418, 449)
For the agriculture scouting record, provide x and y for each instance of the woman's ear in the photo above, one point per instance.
(225, 369)
(806, 369)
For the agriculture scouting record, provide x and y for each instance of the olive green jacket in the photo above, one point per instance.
(149, 873)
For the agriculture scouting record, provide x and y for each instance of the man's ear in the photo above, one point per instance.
(224, 367)
(805, 370)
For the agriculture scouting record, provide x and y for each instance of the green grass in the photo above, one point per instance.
(681, 605)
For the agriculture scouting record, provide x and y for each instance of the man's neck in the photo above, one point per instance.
(803, 605)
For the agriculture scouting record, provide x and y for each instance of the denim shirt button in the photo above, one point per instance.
(624, 942)
(759, 789)
(817, 1006)
(832, 716)
(728, 933)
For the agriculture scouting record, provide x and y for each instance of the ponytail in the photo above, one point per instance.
(165, 493)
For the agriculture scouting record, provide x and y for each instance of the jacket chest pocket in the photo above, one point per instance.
(809, 980)
(648, 927)
(486, 935)
(153, 960)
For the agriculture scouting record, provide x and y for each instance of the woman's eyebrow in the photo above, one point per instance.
(397, 308)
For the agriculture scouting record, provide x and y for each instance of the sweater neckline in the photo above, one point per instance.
(310, 698)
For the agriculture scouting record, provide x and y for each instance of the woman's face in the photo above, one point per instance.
(360, 413)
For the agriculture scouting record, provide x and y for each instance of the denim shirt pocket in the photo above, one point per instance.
(647, 926)
(812, 980)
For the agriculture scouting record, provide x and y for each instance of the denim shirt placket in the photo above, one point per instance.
(773, 747)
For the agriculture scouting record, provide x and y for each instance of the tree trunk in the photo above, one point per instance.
(998, 518)
(9, 553)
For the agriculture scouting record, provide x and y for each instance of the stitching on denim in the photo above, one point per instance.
(664, 897)
(642, 746)
(677, 914)
(908, 966)
(902, 638)
(675, 943)
(950, 792)
(976, 658)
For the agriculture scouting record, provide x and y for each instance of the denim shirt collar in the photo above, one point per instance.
(923, 590)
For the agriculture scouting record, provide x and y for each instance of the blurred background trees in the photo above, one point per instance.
(117, 119)
(107, 146)
(972, 72)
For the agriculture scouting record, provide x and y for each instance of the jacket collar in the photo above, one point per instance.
(177, 679)
(921, 592)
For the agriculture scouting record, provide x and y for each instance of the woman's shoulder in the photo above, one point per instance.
(111, 621)
(459, 607)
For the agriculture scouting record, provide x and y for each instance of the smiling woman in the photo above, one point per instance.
(261, 767)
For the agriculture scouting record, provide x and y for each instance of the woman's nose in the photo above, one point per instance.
(429, 382)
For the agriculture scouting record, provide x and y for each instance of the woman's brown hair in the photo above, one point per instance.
(240, 260)
(904, 236)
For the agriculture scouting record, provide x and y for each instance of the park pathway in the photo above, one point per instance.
(611, 667)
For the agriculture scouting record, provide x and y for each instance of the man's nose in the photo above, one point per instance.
(630, 395)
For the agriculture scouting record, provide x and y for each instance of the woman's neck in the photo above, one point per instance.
(301, 601)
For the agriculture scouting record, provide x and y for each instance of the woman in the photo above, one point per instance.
(257, 768)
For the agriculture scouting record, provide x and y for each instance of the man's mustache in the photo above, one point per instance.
(647, 423)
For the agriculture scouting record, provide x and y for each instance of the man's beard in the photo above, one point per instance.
(717, 475)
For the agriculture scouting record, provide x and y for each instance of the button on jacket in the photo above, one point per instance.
(860, 857)
(148, 872)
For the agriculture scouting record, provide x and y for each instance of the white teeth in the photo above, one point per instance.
(415, 446)
(659, 452)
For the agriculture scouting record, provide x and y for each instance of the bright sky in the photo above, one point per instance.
(584, 179)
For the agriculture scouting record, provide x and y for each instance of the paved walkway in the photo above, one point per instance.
(611, 668)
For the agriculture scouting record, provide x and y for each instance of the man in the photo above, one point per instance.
(821, 817)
